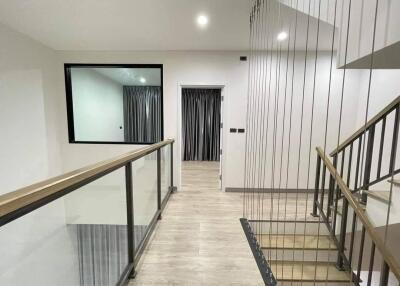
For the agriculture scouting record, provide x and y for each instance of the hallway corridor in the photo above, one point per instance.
(199, 240)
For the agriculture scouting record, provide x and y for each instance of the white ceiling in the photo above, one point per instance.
(138, 25)
(130, 24)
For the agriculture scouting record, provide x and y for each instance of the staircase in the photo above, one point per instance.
(300, 252)
(343, 240)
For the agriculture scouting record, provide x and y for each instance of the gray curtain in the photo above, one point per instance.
(103, 252)
(142, 114)
(201, 123)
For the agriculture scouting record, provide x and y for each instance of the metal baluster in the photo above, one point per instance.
(317, 177)
(353, 230)
(331, 188)
(130, 219)
(384, 274)
(323, 187)
(343, 226)
(371, 264)
(349, 165)
(368, 162)
(394, 141)
(337, 190)
(358, 162)
(159, 183)
(360, 255)
(172, 167)
(338, 196)
(378, 172)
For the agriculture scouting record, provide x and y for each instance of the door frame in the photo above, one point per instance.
(223, 133)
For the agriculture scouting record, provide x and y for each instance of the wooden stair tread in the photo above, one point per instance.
(382, 196)
(307, 271)
(290, 241)
(395, 182)
(339, 209)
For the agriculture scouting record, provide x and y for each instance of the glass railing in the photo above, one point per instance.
(87, 227)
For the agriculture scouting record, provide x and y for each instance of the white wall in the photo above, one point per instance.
(385, 87)
(216, 68)
(326, 12)
(98, 106)
(37, 245)
(306, 119)
(180, 68)
(361, 23)
(362, 27)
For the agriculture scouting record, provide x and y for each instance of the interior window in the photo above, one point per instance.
(114, 103)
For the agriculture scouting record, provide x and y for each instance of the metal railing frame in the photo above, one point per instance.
(367, 132)
(18, 203)
(349, 201)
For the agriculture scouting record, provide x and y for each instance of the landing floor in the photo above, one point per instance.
(199, 240)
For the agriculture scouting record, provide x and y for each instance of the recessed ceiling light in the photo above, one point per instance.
(282, 36)
(142, 80)
(202, 21)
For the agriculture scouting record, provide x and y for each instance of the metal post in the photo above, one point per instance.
(321, 204)
(331, 190)
(172, 168)
(130, 218)
(358, 162)
(382, 142)
(159, 182)
(353, 229)
(317, 175)
(371, 264)
(394, 142)
(384, 274)
(343, 226)
(368, 161)
(361, 253)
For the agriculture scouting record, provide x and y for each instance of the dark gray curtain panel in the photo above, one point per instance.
(201, 123)
(142, 114)
(103, 252)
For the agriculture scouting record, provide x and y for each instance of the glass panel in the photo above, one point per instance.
(79, 239)
(144, 181)
(165, 170)
(116, 103)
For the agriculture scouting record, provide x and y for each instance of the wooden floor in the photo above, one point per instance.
(199, 240)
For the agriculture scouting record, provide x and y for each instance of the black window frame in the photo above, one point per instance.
(69, 100)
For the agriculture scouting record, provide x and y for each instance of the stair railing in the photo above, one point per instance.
(341, 234)
(105, 212)
(354, 147)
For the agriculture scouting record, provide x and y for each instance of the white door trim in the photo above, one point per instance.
(223, 137)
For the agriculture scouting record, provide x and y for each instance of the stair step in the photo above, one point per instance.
(289, 227)
(298, 271)
(300, 255)
(395, 182)
(339, 209)
(296, 242)
(382, 196)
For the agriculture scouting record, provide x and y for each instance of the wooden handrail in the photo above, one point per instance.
(370, 122)
(379, 243)
(21, 198)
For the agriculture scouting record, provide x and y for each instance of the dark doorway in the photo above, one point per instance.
(201, 124)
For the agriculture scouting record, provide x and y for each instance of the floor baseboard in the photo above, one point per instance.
(267, 190)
